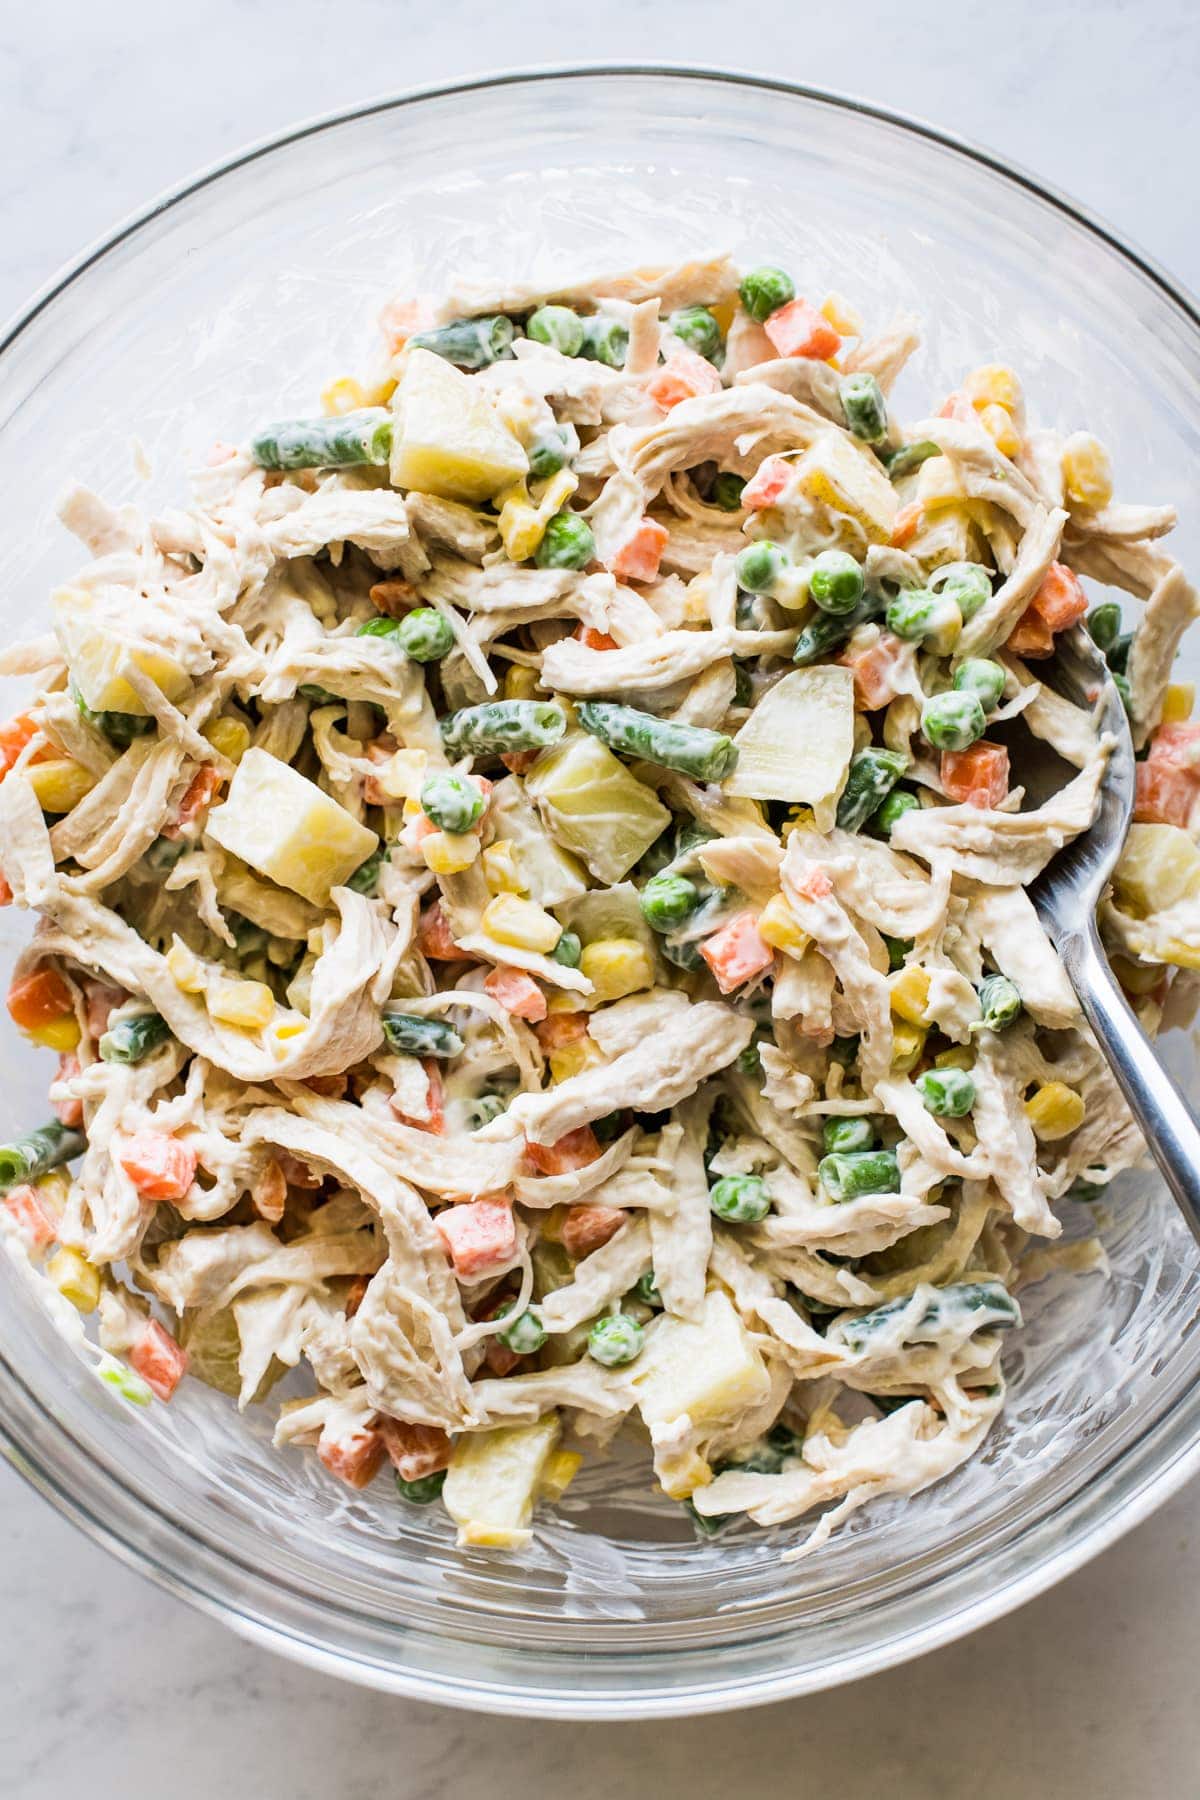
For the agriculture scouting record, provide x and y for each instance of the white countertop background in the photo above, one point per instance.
(110, 1690)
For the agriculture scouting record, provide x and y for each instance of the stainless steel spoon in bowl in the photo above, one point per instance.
(1066, 896)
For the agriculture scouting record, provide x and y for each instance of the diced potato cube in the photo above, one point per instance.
(946, 534)
(572, 1059)
(545, 872)
(59, 783)
(495, 1478)
(592, 805)
(709, 1370)
(449, 439)
(838, 476)
(284, 826)
(97, 640)
(1159, 865)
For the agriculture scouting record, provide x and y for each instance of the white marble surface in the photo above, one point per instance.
(108, 1687)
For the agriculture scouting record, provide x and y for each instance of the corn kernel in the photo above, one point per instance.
(522, 529)
(994, 384)
(777, 927)
(379, 393)
(960, 1057)
(403, 776)
(61, 1034)
(842, 315)
(909, 993)
(343, 396)
(1000, 428)
(1178, 702)
(574, 1058)
(616, 967)
(908, 1046)
(53, 1192)
(450, 852)
(228, 737)
(557, 491)
(510, 920)
(250, 1004)
(185, 968)
(520, 683)
(561, 1468)
(1054, 1111)
(685, 1476)
(1086, 471)
(799, 818)
(59, 783)
(501, 870)
(76, 1279)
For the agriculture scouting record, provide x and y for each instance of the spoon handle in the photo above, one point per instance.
(1170, 1130)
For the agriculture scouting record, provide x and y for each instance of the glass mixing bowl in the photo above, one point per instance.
(232, 303)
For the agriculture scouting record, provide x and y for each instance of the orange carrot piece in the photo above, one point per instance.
(1060, 600)
(767, 483)
(587, 1228)
(517, 992)
(684, 376)
(561, 1028)
(39, 998)
(355, 1459)
(874, 669)
(1031, 637)
(400, 319)
(904, 524)
(68, 1112)
(736, 953)
(574, 1151)
(434, 940)
(6, 893)
(14, 735)
(595, 640)
(414, 1450)
(798, 329)
(640, 555)
(158, 1359)
(198, 798)
(477, 1237)
(160, 1166)
(33, 1221)
(977, 776)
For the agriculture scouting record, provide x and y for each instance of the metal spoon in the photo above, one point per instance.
(1066, 895)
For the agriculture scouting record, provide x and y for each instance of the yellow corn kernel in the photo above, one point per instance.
(522, 529)
(994, 384)
(228, 737)
(777, 926)
(574, 1058)
(250, 1004)
(687, 1473)
(1054, 1111)
(53, 1192)
(59, 783)
(1000, 428)
(723, 312)
(57, 1034)
(799, 818)
(379, 393)
(450, 852)
(908, 1046)
(343, 396)
(909, 993)
(1178, 702)
(76, 1279)
(1086, 471)
(561, 1468)
(511, 920)
(520, 683)
(185, 968)
(616, 967)
(842, 315)
(960, 1057)
(501, 870)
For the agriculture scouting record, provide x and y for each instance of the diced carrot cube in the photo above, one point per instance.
(1060, 600)
(814, 884)
(736, 953)
(1177, 747)
(767, 483)
(14, 735)
(35, 1223)
(874, 668)
(6, 893)
(586, 1228)
(400, 319)
(499, 1359)
(478, 1236)
(157, 1358)
(160, 1166)
(561, 1028)
(393, 596)
(904, 524)
(414, 1450)
(977, 776)
(355, 1459)
(435, 1117)
(1165, 794)
(1031, 637)
(595, 640)
(517, 992)
(68, 1112)
(433, 939)
(198, 798)
(639, 556)
(574, 1151)
(39, 998)
(683, 376)
(329, 1087)
(798, 329)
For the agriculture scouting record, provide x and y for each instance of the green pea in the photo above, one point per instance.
(605, 340)
(1104, 624)
(848, 1135)
(469, 343)
(909, 457)
(740, 1199)
(424, 1490)
(865, 407)
(696, 327)
(615, 1339)
(412, 1035)
(667, 900)
(568, 543)
(898, 949)
(764, 290)
(526, 1335)
(1000, 1002)
(423, 634)
(918, 613)
(645, 1289)
(727, 491)
(968, 584)
(453, 802)
(952, 721)
(549, 454)
(118, 727)
(846, 1175)
(836, 583)
(568, 950)
(948, 1093)
(985, 679)
(897, 803)
(748, 1061)
(557, 326)
(760, 565)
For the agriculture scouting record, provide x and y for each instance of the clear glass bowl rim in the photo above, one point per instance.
(113, 1514)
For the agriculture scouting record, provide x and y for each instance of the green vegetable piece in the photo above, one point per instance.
(748, 1061)
(948, 1093)
(526, 1335)
(118, 727)
(1088, 1192)
(897, 949)
(1121, 683)
(909, 457)
(424, 1490)
(568, 950)
(836, 583)
(1104, 625)
(557, 326)
(743, 686)
(453, 802)
(499, 726)
(1000, 1002)
(727, 491)
(131, 1040)
(411, 1035)
(469, 343)
(871, 776)
(696, 327)
(38, 1152)
(827, 632)
(846, 1175)
(354, 437)
(968, 584)
(707, 1525)
(308, 690)
(760, 565)
(1118, 656)
(705, 755)
(645, 1289)
(898, 802)
(568, 543)
(865, 407)
(684, 956)
(118, 1375)
(985, 679)
(849, 1136)
(605, 340)
(952, 721)
(740, 1199)
(615, 1339)
(549, 454)
(918, 613)
(764, 290)
(484, 1108)
(980, 1303)
(365, 879)
(667, 900)
(844, 1050)
(424, 635)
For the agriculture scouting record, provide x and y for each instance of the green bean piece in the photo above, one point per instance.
(484, 1108)
(743, 686)
(918, 613)
(469, 343)
(424, 1490)
(707, 1525)
(999, 1001)
(568, 950)
(984, 1303)
(898, 949)
(727, 491)
(365, 879)
(968, 584)
(615, 1339)
(909, 457)
(828, 632)
(499, 726)
(750, 612)
(605, 340)
(849, 1136)
(411, 1035)
(696, 327)
(948, 1093)
(748, 1061)
(1118, 655)
(552, 452)
(38, 1152)
(567, 544)
(684, 956)
(844, 1050)
(692, 749)
(118, 727)
(740, 1199)
(985, 679)
(354, 437)
(765, 289)
(897, 803)
(870, 778)
(526, 1335)
(846, 1175)
(865, 407)
(952, 721)
(1121, 683)
(836, 583)
(645, 1289)
(453, 802)
(667, 900)
(1104, 625)
(557, 326)
(321, 696)
(132, 1039)
(759, 566)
